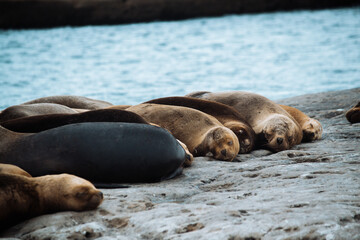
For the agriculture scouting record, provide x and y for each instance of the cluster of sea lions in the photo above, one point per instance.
(108, 144)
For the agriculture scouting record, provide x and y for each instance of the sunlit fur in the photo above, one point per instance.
(12, 169)
(200, 132)
(311, 128)
(221, 142)
(25, 197)
(277, 134)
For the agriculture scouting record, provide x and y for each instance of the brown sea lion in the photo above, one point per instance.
(119, 107)
(276, 129)
(200, 132)
(12, 169)
(24, 197)
(73, 102)
(27, 110)
(311, 128)
(40, 123)
(225, 114)
(353, 115)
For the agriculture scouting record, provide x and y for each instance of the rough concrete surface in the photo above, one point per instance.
(309, 192)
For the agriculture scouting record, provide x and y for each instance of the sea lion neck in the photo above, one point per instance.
(48, 202)
(8, 137)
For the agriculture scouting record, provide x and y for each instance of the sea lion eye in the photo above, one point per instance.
(81, 194)
(230, 143)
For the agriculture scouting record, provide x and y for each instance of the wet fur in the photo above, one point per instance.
(269, 121)
(225, 114)
(194, 128)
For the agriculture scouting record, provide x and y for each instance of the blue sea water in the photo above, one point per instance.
(278, 55)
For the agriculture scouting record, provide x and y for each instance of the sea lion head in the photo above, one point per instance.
(245, 134)
(68, 192)
(278, 133)
(222, 143)
(312, 130)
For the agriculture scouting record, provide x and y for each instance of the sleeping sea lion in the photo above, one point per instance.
(99, 152)
(40, 123)
(24, 197)
(73, 102)
(276, 129)
(200, 132)
(353, 115)
(225, 114)
(19, 111)
(119, 107)
(311, 128)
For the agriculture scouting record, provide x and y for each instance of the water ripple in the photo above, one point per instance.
(276, 54)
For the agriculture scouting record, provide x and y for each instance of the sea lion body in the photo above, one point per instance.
(311, 128)
(200, 132)
(225, 114)
(353, 115)
(40, 123)
(77, 102)
(26, 110)
(275, 128)
(24, 197)
(99, 152)
(119, 107)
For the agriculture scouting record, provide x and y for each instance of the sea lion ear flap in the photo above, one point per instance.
(217, 134)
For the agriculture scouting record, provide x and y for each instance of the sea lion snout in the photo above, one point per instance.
(223, 152)
(279, 140)
(101, 195)
(95, 200)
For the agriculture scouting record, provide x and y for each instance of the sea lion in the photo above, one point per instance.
(353, 115)
(73, 102)
(40, 123)
(225, 114)
(12, 169)
(26, 110)
(100, 152)
(24, 197)
(311, 128)
(275, 128)
(200, 132)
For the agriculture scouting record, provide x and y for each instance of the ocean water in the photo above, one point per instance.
(278, 55)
